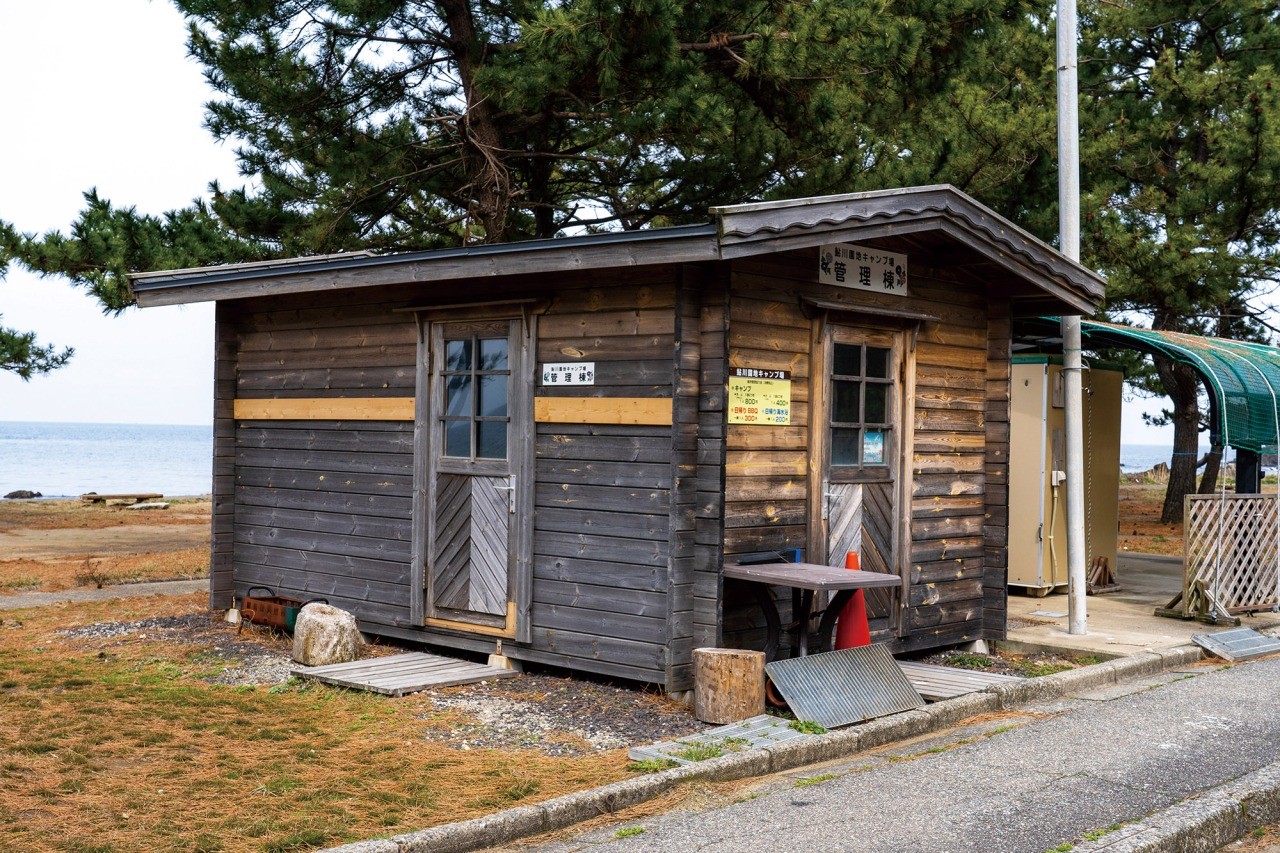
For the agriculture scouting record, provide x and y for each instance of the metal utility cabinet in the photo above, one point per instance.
(1037, 479)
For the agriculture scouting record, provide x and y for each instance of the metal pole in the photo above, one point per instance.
(1072, 366)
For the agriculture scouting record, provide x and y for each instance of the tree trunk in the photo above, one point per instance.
(1212, 468)
(1183, 386)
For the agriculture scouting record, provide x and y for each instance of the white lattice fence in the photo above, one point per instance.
(1231, 551)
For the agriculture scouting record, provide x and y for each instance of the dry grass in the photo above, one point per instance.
(123, 746)
(18, 576)
(1140, 527)
(78, 515)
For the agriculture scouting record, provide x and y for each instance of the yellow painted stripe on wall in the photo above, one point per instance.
(650, 411)
(325, 409)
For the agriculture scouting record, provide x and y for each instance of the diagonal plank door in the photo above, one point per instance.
(477, 426)
(472, 529)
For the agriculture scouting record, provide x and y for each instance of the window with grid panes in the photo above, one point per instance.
(861, 408)
(476, 378)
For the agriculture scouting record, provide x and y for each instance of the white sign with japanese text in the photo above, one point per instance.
(569, 373)
(863, 268)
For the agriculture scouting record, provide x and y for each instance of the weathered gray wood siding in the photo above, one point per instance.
(708, 578)
(221, 564)
(322, 508)
(603, 537)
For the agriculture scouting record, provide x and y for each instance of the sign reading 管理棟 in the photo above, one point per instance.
(758, 396)
(569, 373)
(863, 268)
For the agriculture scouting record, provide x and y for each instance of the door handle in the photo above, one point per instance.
(511, 493)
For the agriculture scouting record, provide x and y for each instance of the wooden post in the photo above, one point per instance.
(728, 684)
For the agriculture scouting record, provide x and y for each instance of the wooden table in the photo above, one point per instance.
(808, 578)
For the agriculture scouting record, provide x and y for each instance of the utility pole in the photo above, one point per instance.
(1072, 364)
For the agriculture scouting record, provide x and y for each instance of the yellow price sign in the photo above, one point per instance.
(760, 397)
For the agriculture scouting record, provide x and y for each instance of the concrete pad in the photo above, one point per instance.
(1119, 623)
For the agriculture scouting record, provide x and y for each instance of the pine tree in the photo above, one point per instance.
(389, 125)
(1181, 169)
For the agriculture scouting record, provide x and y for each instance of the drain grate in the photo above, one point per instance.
(751, 733)
(1237, 644)
(842, 687)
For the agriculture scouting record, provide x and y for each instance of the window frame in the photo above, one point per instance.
(891, 427)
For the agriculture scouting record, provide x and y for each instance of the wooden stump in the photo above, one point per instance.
(728, 684)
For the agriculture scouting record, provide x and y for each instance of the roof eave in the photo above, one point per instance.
(754, 228)
(685, 244)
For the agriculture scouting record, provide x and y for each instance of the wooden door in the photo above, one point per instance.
(858, 432)
(477, 447)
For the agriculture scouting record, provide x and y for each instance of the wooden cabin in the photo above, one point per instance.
(557, 444)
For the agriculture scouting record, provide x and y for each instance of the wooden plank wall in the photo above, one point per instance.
(221, 565)
(995, 530)
(603, 541)
(684, 478)
(766, 467)
(948, 503)
(323, 508)
(766, 491)
(708, 580)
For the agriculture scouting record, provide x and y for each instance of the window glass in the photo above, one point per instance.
(476, 376)
(844, 447)
(457, 438)
(877, 403)
(458, 396)
(493, 354)
(491, 439)
(845, 407)
(848, 360)
(861, 405)
(457, 355)
(493, 396)
(877, 362)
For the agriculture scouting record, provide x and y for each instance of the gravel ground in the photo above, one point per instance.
(1030, 665)
(253, 657)
(558, 716)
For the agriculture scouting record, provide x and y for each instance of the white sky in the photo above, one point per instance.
(103, 94)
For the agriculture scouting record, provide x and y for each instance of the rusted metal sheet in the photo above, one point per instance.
(842, 687)
(935, 683)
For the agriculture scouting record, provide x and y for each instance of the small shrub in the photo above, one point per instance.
(628, 831)
(91, 575)
(651, 765)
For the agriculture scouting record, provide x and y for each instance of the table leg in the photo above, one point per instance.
(830, 615)
(802, 623)
(772, 621)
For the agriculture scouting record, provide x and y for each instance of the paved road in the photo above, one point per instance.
(128, 590)
(1071, 766)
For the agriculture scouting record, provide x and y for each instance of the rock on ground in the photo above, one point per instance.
(325, 634)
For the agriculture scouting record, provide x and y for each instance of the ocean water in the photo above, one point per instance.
(61, 459)
(1144, 457)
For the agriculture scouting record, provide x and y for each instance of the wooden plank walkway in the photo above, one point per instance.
(942, 682)
(397, 675)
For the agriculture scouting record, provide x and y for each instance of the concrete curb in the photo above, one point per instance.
(523, 821)
(1205, 822)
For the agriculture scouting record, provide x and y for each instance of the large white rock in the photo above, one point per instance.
(325, 635)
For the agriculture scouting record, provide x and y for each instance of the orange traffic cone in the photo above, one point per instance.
(852, 630)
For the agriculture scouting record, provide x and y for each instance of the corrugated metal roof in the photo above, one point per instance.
(738, 231)
(355, 260)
